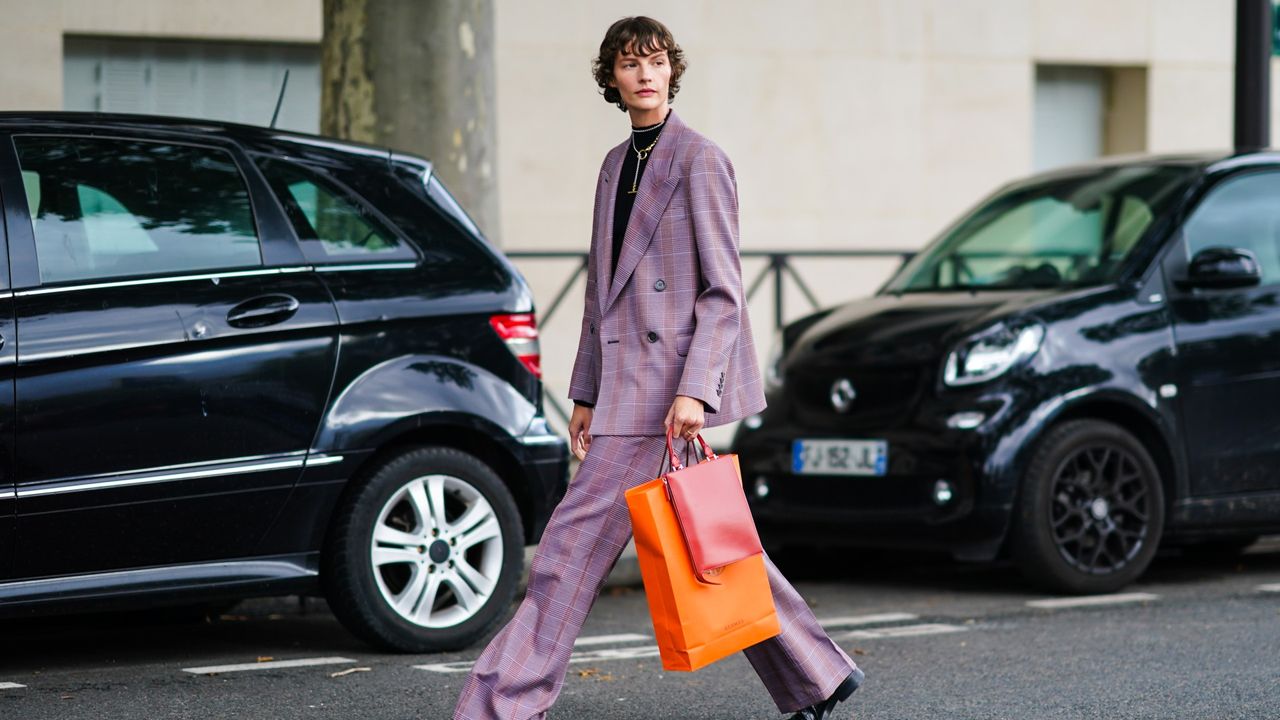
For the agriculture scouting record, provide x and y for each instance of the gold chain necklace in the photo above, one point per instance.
(640, 156)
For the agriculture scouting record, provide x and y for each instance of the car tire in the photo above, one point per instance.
(405, 578)
(1090, 512)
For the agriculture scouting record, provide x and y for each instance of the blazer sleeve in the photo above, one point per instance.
(713, 207)
(584, 384)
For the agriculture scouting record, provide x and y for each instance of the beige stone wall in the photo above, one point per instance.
(32, 31)
(852, 123)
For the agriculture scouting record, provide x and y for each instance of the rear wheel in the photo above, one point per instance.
(1091, 510)
(425, 555)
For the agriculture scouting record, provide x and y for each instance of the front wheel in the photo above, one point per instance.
(425, 554)
(1091, 510)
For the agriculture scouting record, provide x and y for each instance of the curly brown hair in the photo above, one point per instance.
(639, 36)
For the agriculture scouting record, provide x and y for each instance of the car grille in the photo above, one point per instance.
(885, 397)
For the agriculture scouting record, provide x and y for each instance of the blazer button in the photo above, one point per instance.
(659, 286)
(653, 336)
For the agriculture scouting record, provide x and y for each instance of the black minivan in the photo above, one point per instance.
(1082, 367)
(236, 361)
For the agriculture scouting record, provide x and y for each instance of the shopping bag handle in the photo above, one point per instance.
(707, 452)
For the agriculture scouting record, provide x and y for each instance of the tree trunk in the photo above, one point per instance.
(417, 76)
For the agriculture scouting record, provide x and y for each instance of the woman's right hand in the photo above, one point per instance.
(580, 430)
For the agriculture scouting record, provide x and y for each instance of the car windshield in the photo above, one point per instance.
(1064, 232)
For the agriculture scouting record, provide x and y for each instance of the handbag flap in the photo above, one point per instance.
(712, 511)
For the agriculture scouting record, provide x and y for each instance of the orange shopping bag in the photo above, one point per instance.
(695, 623)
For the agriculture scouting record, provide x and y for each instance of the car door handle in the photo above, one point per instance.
(262, 311)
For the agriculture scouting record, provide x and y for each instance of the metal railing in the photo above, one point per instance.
(779, 268)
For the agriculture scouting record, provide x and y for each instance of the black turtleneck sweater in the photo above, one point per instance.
(640, 138)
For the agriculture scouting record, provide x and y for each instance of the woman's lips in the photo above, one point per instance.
(647, 92)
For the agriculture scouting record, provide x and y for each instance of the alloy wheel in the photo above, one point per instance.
(436, 551)
(1099, 512)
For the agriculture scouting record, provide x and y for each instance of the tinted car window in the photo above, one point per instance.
(1060, 232)
(451, 245)
(328, 218)
(1241, 213)
(109, 207)
(453, 258)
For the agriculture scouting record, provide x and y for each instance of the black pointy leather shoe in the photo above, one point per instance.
(823, 710)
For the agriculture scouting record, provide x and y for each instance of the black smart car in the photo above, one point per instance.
(242, 362)
(1084, 366)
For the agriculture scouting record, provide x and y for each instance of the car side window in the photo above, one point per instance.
(104, 207)
(1241, 212)
(331, 223)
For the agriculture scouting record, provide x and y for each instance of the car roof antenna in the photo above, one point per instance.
(280, 100)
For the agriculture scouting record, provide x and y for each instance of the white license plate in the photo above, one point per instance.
(840, 457)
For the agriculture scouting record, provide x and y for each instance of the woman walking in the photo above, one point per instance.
(666, 345)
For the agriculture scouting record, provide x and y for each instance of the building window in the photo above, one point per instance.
(1084, 112)
(236, 82)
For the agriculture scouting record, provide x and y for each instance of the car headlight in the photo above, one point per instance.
(773, 364)
(990, 354)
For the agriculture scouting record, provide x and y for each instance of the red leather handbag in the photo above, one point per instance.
(711, 510)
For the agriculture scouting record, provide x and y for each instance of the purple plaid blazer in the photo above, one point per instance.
(673, 321)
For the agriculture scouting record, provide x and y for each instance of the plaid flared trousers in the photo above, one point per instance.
(522, 670)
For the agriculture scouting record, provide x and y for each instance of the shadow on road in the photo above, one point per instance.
(923, 571)
(188, 636)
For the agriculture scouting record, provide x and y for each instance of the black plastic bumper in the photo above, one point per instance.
(545, 459)
(897, 510)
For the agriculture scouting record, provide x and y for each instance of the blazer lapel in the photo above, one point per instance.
(604, 229)
(655, 191)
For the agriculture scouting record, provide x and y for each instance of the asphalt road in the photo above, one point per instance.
(936, 639)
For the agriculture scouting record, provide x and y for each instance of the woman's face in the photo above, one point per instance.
(642, 81)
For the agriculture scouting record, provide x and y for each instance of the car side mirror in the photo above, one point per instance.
(1222, 267)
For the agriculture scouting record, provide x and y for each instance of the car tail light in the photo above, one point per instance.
(520, 332)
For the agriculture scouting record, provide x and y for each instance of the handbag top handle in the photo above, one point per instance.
(707, 452)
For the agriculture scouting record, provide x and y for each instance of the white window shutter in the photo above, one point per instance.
(217, 81)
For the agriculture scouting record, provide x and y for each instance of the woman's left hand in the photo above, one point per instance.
(685, 418)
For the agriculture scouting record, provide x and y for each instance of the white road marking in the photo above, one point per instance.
(449, 667)
(856, 620)
(607, 639)
(647, 651)
(1273, 587)
(1091, 600)
(11, 686)
(269, 665)
(902, 631)
(615, 654)
(631, 653)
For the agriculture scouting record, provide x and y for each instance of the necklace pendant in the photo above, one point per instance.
(642, 155)
(632, 191)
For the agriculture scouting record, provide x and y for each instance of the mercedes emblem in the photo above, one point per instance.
(843, 395)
